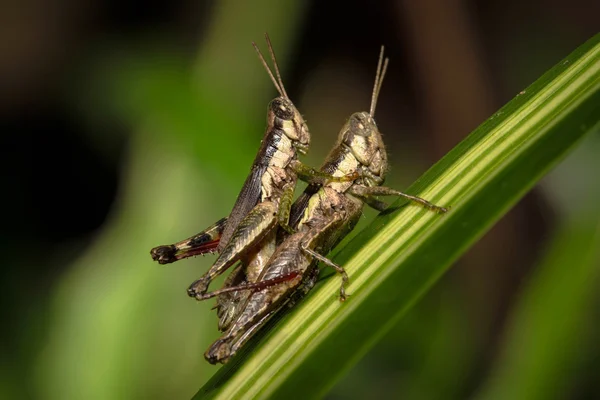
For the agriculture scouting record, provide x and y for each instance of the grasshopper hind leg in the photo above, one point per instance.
(223, 349)
(253, 228)
(229, 303)
(205, 242)
(164, 254)
(226, 350)
(250, 286)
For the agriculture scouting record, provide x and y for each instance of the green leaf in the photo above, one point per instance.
(400, 255)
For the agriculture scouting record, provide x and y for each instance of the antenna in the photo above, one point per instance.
(275, 64)
(277, 82)
(379, 75)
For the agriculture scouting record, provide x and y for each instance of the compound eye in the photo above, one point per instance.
(282, 110)
(359, 127)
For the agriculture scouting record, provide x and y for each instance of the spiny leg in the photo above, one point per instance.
(366, 192)
(255, 286)
(202, 243)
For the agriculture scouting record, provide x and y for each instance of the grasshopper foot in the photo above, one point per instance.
(198, 288)
(343, 296)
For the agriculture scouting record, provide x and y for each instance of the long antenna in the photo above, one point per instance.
(277, 82)
(264, 63)
(275, 65)
(379, 75)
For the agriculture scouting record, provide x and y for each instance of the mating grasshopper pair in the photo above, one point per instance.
(278, 265)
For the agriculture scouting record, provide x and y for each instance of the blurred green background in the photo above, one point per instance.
(128, 125)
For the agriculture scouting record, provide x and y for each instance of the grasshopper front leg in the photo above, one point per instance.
(314, 176)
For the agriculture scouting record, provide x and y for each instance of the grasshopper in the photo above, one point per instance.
(325, 215)
(249, 233)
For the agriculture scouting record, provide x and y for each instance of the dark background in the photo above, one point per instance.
(126, 125)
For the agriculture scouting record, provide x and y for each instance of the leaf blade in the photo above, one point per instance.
(402, 254)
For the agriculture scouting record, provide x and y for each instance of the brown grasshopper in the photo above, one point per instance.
(325, 215)
(249, 233)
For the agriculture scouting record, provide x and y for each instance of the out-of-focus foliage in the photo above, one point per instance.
(121, 326)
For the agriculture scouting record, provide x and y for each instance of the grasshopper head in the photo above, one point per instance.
(284, 116)
(282, 113)
(363, 138)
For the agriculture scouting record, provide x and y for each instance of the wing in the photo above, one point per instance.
(246, 201)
